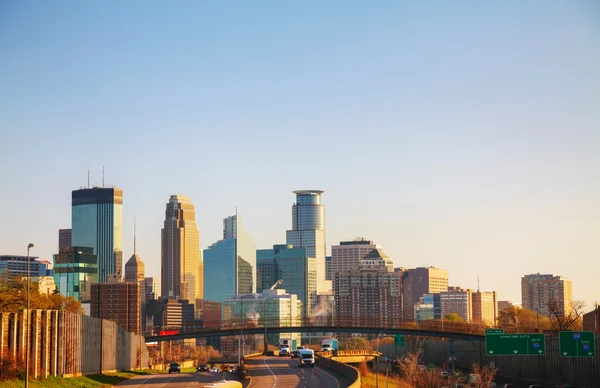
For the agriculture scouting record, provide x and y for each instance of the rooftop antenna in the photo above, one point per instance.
(477, 282)
(102, 176)
(134, 237)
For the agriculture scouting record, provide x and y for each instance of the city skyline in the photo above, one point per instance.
(462, 136)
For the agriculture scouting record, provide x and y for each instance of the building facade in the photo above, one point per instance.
(168, 314)
(428, 307)
(117, 301)
(427, 280)
(308, 231)
(182, 270)
(13, 265)
(293, 269)
(230, 263)
(97, 223)
(538, 291)
(75, 270)
(504, 304)
(152, 288)
(348, 254)
(485, 308)
(328, 268)
(64, 238)
(370, 294)
(591, 320)
(457, 301)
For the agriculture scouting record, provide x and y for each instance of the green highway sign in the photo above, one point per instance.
(577, 344)
(494, 331)
(515, 344)
(399, 340)
(431, 367)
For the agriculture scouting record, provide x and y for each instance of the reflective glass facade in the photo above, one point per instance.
(230, 264)
(97, 222)
(291, 265)
(308, 231)
(75, 269)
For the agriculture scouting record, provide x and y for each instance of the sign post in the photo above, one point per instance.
(515, 344)
(577, 344)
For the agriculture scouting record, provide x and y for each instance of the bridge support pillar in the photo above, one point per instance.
(452, 356)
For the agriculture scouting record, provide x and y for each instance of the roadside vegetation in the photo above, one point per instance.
(89, 381)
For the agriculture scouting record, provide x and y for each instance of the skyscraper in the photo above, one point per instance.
(539, 291)
(134, 273)
(297, 272)
(348, 254)
(457, 301)
(485, 308)
(230, 263)
(64, 238)
(97, 223)
(370, 291)
(75, 269)
(308, 231)
(181, 266)
(427, 280)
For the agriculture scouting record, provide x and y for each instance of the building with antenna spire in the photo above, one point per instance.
(97, 223)
(134, 273)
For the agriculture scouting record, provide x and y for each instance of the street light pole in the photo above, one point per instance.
(27, 320)
(377, 359)
(266, 341)
(240, 342)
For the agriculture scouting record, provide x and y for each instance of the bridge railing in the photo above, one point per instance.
(345, 322)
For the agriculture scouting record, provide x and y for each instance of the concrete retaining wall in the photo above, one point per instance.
(343, 369)
(69, 344)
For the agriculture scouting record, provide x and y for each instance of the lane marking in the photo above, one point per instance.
(163, 384)
(334, 379)
(275, 377)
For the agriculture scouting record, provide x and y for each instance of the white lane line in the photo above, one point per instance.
(274, 377)
(163, 384)
(334, 379)
(142, 382)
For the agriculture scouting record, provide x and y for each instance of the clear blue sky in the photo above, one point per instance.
(461, 134)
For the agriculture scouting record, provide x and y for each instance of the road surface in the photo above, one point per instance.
(283, 372)
(177, 380)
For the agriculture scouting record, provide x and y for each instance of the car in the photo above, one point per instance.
(297, 351)
(174, 367)
(202, 368)
(225, 368)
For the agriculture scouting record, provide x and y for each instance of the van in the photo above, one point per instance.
(306, 357)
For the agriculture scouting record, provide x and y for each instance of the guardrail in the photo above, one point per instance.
(343, 369)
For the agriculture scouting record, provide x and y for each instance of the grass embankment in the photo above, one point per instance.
(89, 381)
(369, 381)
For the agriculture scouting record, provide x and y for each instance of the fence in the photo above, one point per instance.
(69, 344)
(548, 369)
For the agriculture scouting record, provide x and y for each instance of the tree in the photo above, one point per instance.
(453, 317)
(522, 320)
(13, 297)
(569, 320)
(485, 373)
(357, 343)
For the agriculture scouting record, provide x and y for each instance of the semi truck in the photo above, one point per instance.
(329, 345)
(286, 346)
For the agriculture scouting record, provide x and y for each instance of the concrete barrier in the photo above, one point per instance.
(343, 369)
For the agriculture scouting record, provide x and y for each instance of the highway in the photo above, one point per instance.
(276, 372)
(177, 380)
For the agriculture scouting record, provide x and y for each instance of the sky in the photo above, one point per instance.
(462, 135)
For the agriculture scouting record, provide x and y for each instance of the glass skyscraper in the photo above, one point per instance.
(75, 269)
(294, 268)
(230, 264)
(308, 231)
(97, 223)
(181, 264)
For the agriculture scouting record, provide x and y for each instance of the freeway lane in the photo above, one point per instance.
(276, 372)
(176, 380)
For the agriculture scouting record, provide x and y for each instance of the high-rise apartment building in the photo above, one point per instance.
(369, 294)
(539, 291)
(117, 301)
(308, 231)
(182, 270)
(75, 270)
(97, 223)
(427, 280)
(230, 263)
(348, 254)
(64, 238)
(297, 272)
(458, 301)
(485, 308)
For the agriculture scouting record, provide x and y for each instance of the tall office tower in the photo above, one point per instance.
(230, 263)
(407, 302)
(297, 272)
(152, 288)
(181, 266)
(64, 238)
(348, 254)
(370, 294)
(75, 269)
(97, 223)
(458, 301)
(485, 308)
(134, 273)
(539, 291)
(427, 280)
(117, 301)
(308, 231)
